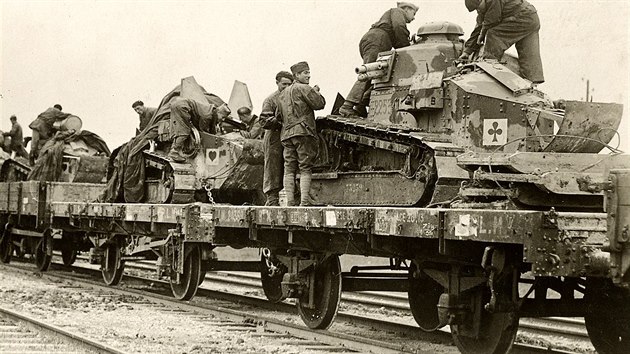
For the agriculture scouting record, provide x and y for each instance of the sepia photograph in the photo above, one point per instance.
(315, 176)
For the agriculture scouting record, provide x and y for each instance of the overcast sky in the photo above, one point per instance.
(96, 58)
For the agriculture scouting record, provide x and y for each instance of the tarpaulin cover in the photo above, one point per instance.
(126, 183)
(48, 167)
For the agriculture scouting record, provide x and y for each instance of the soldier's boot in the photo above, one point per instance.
(347, 110)
(176, 149)
(305, 189)
(289, 188)
(273, 198)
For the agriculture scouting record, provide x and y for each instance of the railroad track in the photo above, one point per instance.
(570, 329)
(294, 334)
(23, 334)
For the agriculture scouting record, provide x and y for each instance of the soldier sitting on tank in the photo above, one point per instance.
(502, 23)
(254, 128)
(389, 32)
(186, 113)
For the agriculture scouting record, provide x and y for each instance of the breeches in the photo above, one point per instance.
(299, 154)
(274, 163)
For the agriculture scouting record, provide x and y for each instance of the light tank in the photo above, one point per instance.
(433, 122)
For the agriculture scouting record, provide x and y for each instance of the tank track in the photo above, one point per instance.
(12, 170)
(176, 184)
(384, 186)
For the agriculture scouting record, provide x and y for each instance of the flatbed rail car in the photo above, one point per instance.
(477, 270)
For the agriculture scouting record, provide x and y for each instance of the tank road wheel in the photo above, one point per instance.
(189, 280)
(6, 245)
(272, 284)
(497, 331)
(609, 332)
(327, 294)
(43, 251)
(111, 265)
(424, 295)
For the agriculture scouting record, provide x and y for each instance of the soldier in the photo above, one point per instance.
(389, 32)
(43, 129)
(145, 114)
(17, 138)
(254, 129)
(272, 146)
(297, 104)
(186, 112)
(501, 23)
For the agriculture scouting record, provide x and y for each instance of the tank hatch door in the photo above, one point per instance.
(425, 92)
(506, 77)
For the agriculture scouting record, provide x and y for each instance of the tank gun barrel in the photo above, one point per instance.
(377, 65)
(371, 75)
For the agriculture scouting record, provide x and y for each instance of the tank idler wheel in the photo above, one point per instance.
(43, 251)
(191, 278)
(6, 245)
(609, 332)
(272, 284)
(424, 295)
(327, 295)
(496, 333)
(112, 266)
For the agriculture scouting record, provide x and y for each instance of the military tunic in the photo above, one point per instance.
(508, 22)
(186, 113)
(254, 129)
(390, 31)
(297, 104)
(272, 146)
(17, 140)
(146, 116)
(42, 128)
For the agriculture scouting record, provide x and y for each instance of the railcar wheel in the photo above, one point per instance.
(609, 332)
(202, 277)
(496, 333)
(272, 284)
(424, 295)
(327, 294)
(6, 246)
(188, 281)
(43, 252)
(68, 255)
(112, 266)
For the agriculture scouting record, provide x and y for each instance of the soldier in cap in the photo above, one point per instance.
(17, 138)
(144, 113)
(254, 128)
(272, 145)
(389, 32)
(297, 104)
(501, 23)
(43, 129)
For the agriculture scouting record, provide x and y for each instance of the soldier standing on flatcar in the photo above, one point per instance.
(272, 145)
(501, 23)
(17, 138)
(297, 104)
(389, 32)
(43, 129)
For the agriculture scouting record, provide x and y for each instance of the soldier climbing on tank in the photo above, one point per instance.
(272, 145)
(185, 113)
(43, 129)
(389, 32)
(17, 138)
(502, 23)
(144, 113)
(297, 104)
(254, 129)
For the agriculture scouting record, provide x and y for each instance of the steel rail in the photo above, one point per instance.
(68, 336)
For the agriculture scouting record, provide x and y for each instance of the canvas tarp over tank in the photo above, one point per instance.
(126, 183)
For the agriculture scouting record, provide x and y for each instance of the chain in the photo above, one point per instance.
(209, 193)
(270, 266)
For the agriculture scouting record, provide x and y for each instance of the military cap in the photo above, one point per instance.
(13, 116)
(402, 4)
(299, 67)
(285, 75)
